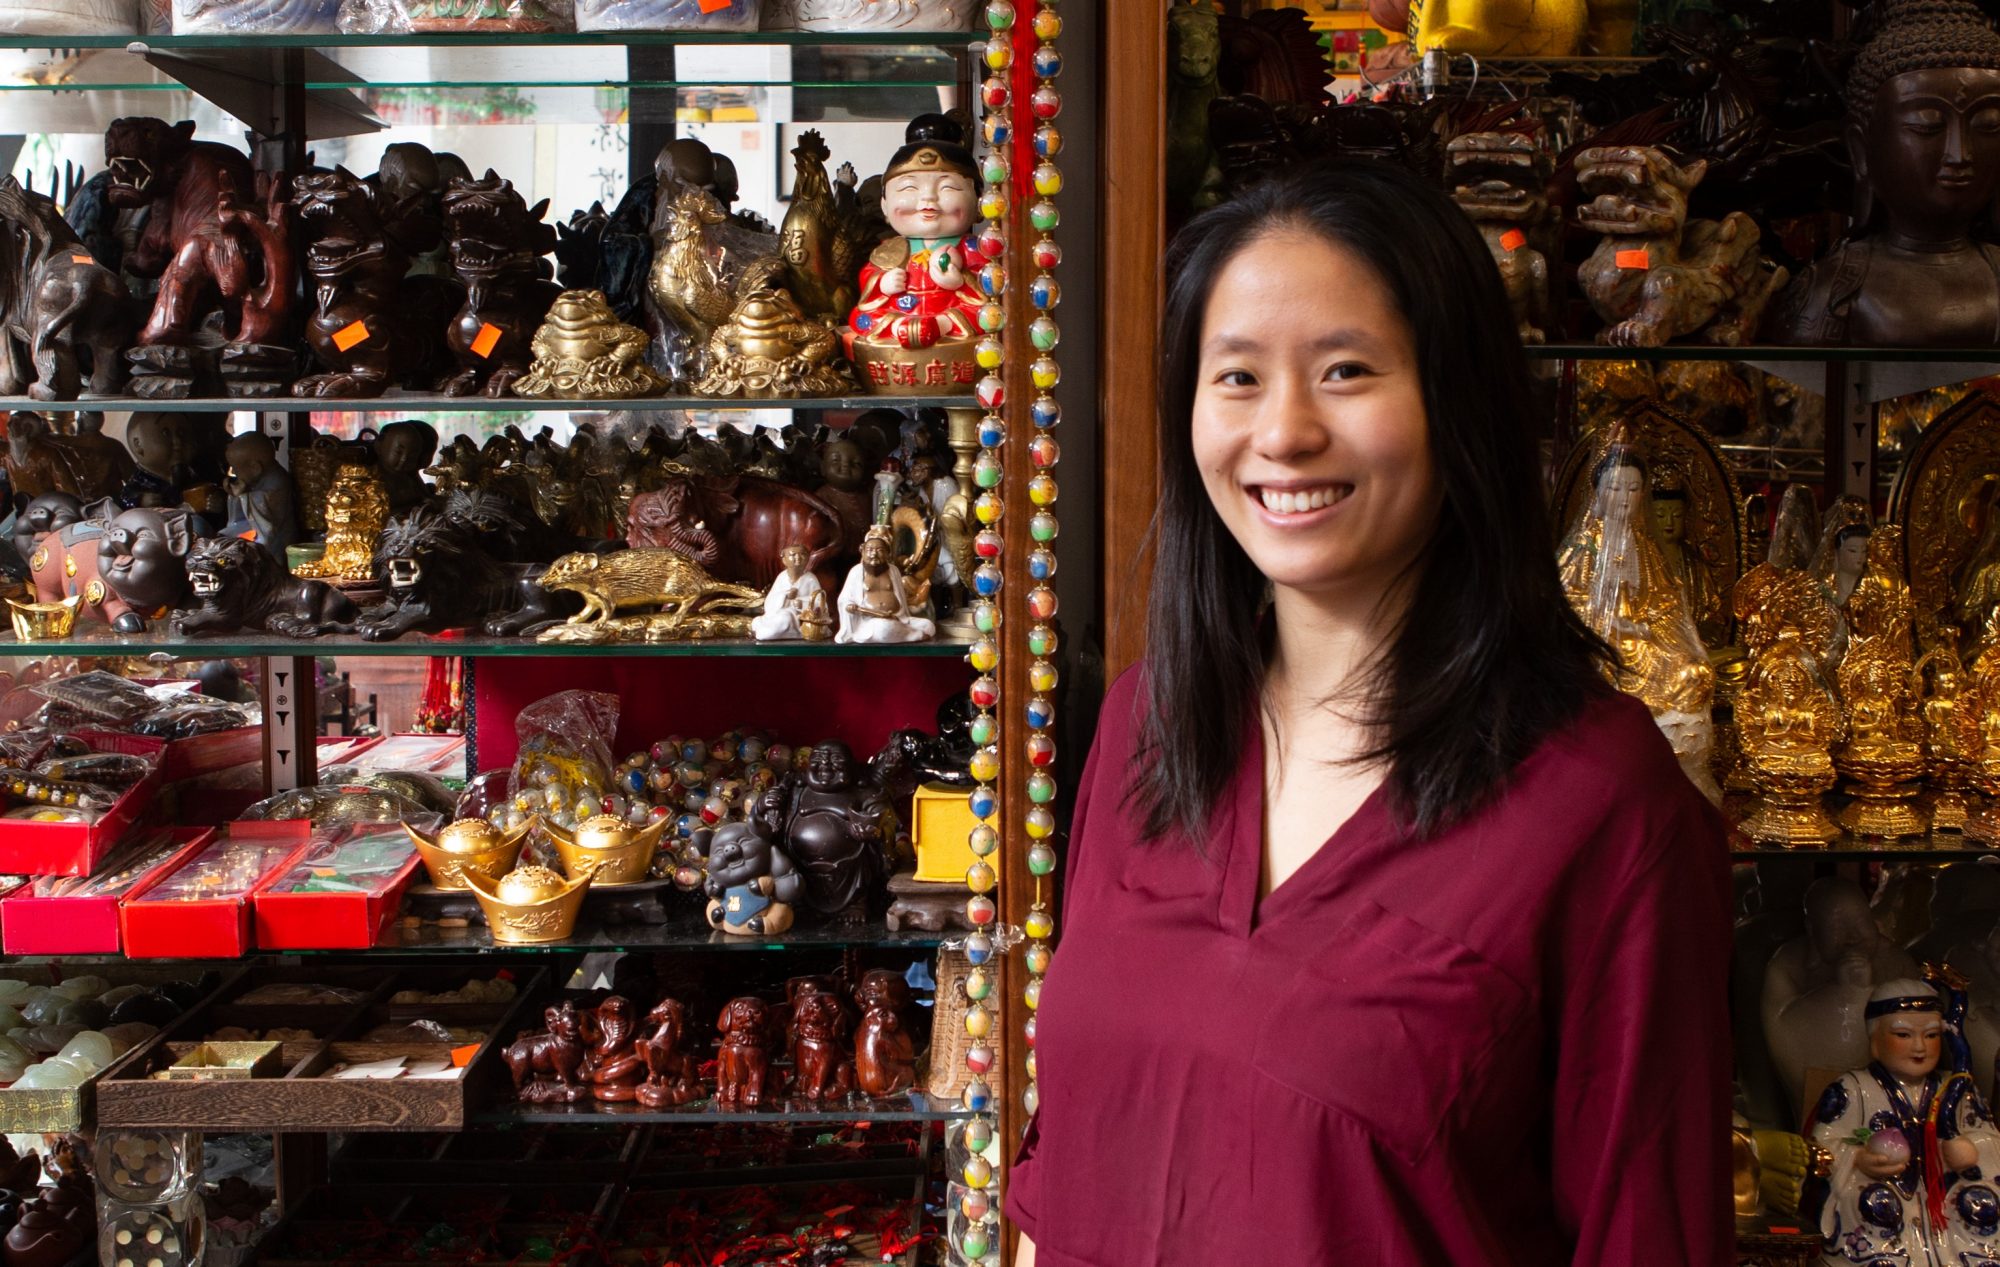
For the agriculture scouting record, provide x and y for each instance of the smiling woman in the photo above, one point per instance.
(1449, 928)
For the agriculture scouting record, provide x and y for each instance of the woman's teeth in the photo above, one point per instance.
(1294, 503)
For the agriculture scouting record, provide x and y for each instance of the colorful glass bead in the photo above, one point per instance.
(993, 205)
(993, 169)
(983, 840)
(1031, 1099)
(1044, 293)
(1046, 103)
(1043, 490)
(974, 1205)
(981, 911)
(983, 728)
(1043, 527)
(992, 431)
(1040, 824)
(1041, 750)
(992, 241)
(978, 1171)
(1032, 995)
(1041, 565)
(992, 317)
(1030, 1064)
(985, 764)
(989, 353)
(999, 54)
(985, 694)
(1047, 25)
(1042, 603)
(988, 545)
(1041, 790)
(998, 128)
(983, 656)
(1042, 676)
(1044, 334)
(1044, 451)
(982, 802)
(1044, 411)
(986, 580)
(987, 471)
(1041, 713)
(989, 509)
(978, 1135)
(1028, 1033)
(980, 878)
(999, 14)
(979, 1058)
(985, 617)
(1043, 641)
(1038, 958)
(992, 279)
(977, 1096)
(1040, 925)
(1048, 180)
(991, 392)
(978, 985)
(974, 1243)
(1047, 62)
(1045, 372)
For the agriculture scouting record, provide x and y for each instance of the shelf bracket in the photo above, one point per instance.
(291, 724)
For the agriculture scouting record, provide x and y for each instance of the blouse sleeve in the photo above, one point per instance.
(1641, 1153)
(1022, 1199)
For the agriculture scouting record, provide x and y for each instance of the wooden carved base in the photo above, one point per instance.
(925, 906)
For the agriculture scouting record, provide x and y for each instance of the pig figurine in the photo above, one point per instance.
(751, 882)
(128, 569)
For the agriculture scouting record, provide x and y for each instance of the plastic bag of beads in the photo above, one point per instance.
(379, 17)
(99, 696)
(563, 770)
(255, 17)
(667, 15)
(188, 715)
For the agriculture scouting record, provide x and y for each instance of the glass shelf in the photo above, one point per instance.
(411, 402)
(1704, 352)
(954, 41)
(916, 1106)
(160, 642)
(1941, 847)
(685, 931)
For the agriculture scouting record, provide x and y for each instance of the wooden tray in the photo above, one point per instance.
(304, 1098)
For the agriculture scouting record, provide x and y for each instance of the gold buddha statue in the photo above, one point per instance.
(1883, 755)
(1940, 680)
(1618, 580)
(1787, 720)
(1686, 559)
(357, 509)
(1979, 729)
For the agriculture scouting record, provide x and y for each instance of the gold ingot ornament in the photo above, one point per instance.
(468, 845)
(606, 849)
(44, 622)
(530, 905)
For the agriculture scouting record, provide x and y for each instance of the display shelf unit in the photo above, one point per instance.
(469, 644)
(291, 73)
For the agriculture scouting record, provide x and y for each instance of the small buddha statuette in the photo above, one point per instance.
(1923, 134)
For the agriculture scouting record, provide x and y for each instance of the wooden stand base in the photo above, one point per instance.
(642, 903)
(925, 906)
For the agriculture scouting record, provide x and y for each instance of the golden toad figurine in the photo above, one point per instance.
(1617, 579)
(357, 509)
(584, 352)
(1787, 720)
(769, 347)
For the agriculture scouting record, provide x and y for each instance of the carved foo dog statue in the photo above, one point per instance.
(1658, 276)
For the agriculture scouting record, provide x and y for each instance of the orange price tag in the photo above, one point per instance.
(1635, 258)
(1513, 240)
(486, 340)
(349, 335)
(462, 1056)
(714, 6)
(81, 259)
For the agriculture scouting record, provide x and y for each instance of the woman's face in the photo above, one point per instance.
(1309, 422)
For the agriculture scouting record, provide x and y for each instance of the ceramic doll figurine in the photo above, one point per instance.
(672, 1076)
(750, 881)
(795, 607)
(914, 327)
(260, 494)
(744, 1060)
(613, 1066)
(1913, 1146)
(1818, 985)
(874, 607)
(157, 478)
(885, 1051)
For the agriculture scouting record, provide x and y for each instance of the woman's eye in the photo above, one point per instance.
(1347, 370)
(1236, 378)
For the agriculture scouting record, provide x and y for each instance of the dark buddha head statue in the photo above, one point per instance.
(1923, 121)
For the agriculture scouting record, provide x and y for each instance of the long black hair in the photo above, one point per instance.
(1488, 658)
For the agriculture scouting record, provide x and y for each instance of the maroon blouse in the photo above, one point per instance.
(1508, 1045)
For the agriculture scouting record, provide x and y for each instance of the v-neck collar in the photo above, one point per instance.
(1241, 913)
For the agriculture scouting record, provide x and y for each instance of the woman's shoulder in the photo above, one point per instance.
(1611, 766)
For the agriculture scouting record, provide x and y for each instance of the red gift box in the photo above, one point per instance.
(76, 848)
(329, 921)
(205, 928)
(85, 925)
